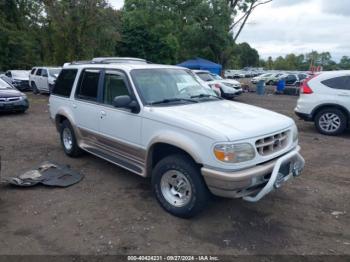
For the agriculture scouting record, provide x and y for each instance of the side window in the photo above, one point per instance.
(114, 85)
(341, 82)
(64, 83)
(38, 72)
(33, 71)
(301, 76)
(292, 77)
(88, 85)
(44, 73)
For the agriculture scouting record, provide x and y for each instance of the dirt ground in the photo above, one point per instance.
(113, 211)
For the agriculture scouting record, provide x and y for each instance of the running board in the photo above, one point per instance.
(115, 160)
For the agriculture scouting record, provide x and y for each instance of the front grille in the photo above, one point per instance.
(272, 144)
(9, 99)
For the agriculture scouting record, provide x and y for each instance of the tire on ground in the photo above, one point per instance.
(185, 165)
(335, 111)
(74, 151)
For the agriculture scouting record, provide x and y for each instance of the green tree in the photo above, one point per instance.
(344, 62)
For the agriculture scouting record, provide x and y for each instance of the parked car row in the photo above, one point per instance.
(291, 79)
(242, 73)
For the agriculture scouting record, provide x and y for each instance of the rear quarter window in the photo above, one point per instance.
(64, 83)
(341, 82)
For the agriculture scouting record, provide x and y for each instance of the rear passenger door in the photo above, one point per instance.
(120, 128)
(339, 89)
(85, 106)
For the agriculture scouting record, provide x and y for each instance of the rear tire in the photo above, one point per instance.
(179, 186)
(331, 121)
(68, 140)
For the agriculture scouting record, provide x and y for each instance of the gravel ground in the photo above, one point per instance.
(113, 211)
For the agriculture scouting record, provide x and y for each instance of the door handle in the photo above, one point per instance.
(74, 106)
(103, 114)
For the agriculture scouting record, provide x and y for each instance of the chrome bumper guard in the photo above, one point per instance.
(295, 164)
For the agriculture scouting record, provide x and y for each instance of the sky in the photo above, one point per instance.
(297, 26)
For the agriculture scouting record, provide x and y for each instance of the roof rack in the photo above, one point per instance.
(110, 60)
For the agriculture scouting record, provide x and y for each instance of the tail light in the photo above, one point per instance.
(305, 88)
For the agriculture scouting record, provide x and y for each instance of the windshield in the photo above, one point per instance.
(4, 85)
(54, 72)
(205, 76)
(170, 85)
(216, 77)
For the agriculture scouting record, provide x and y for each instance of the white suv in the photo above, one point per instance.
(325, 99)
(158, 121)
(42, 79)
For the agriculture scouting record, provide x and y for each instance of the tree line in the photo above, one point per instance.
(52, 32)
(303, 62)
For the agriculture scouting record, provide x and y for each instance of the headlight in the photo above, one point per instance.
(295, 133)
(23, 96)
(234, 153)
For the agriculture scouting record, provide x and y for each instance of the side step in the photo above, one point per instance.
(115, 160)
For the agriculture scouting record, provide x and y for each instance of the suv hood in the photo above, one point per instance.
(229, 120)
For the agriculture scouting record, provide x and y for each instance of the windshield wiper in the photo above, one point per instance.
(205, 96)
(171, 100)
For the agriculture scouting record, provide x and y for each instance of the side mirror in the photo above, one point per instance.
(125, 102)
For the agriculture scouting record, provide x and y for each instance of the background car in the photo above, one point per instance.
(11, 99)
(42, 79)
(266, 77)
(292, 79)
(19, 79)
(228, 88)
(325, 100)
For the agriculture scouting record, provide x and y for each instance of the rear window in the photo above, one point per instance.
(64, 83)
(341, 82)
(88, 85)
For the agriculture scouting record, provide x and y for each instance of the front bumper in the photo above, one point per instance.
(254, 183)
(303, 116)
(21, 105)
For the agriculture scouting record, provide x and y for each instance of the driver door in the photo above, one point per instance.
(120, 128)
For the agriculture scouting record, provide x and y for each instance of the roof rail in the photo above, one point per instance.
(110, 60)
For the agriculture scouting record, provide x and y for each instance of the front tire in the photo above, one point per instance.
(331, 121)
(68, 140)
(179, 186)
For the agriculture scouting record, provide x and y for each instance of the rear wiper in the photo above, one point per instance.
(170, 100)
(205, 96)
